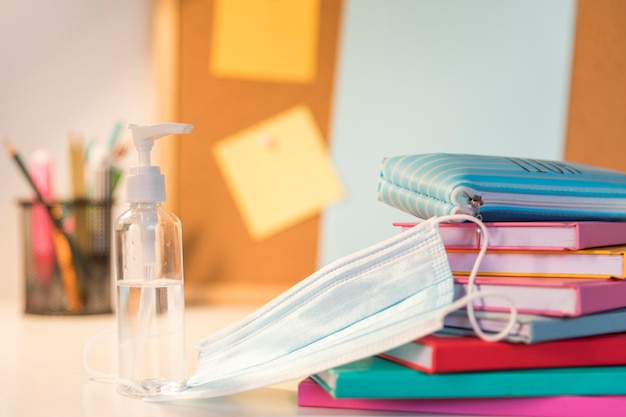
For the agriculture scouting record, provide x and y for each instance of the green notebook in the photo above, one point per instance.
(375, 377)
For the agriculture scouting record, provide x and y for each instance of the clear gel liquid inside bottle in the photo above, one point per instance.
(149, 280)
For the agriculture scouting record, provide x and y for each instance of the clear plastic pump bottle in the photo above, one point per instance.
(149, 278)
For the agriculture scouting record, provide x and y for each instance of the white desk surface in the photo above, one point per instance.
(43, 374)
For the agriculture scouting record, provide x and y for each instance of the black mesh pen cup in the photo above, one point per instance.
(67, 253)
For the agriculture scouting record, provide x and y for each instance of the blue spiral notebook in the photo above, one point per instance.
(501, 188)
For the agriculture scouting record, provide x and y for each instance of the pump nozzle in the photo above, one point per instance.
(144, 137)
(145, 182)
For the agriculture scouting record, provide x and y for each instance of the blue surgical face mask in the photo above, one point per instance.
(366, 303)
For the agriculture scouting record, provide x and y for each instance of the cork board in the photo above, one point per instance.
(597, 114)
(223, 264)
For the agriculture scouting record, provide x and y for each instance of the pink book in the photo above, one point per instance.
(310, 394)
(532, 235)
(602, 262)
(547, 296)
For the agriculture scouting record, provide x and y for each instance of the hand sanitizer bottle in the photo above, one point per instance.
(148, 264)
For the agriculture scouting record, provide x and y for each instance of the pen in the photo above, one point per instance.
(115, 134)
(99, 173)
(120, 149)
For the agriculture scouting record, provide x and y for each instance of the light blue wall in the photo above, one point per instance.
(418, 76)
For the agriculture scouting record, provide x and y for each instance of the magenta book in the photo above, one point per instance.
(310, 394)
(602, 262)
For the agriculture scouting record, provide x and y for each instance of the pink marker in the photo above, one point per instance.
(41, 224)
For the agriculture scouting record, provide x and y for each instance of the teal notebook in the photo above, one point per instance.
(501, 188)
(378, 378)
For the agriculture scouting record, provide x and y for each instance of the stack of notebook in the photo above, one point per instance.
(566, 354)
(565, 357)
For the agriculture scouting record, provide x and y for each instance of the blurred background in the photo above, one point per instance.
(350, 81)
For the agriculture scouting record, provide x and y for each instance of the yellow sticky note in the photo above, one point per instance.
(278, 171)
(268, 40)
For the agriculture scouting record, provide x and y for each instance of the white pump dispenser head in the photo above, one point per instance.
(145, 183)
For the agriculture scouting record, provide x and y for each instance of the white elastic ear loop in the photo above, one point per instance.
(98, 376)
(471, 294)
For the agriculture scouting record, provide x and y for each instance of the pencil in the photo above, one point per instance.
(12, 151)
(77, 172)
(77, 166)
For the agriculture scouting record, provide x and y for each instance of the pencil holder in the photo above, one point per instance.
(67, 247)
